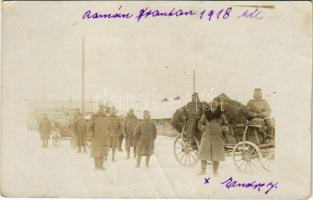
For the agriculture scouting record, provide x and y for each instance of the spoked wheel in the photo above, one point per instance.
(247, 157)
(268, 161)
(56, 137)
(186, 153)
(88, 144)
(56, 140)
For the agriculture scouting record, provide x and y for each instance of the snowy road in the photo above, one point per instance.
(60, 171)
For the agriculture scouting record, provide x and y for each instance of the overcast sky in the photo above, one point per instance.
(42, 52)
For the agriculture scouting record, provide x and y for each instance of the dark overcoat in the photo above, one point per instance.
(100, 138)
(192, 112)
(212, 144)
(145, 135)
(80, 130)
(130, 124)
(116, 130)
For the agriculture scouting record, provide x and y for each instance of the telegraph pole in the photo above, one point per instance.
(194, 81)
(83, 78)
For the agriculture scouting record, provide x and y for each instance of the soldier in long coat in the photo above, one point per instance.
(116, 131)
(130, 123)
(45, 130)
(211, 148)
(192, 113)
(100, 138)
(258, 108)
(80, 130)
(121, 137)
(145, 133)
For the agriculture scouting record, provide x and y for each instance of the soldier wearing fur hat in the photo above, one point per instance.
(258, 108)
(211, 147)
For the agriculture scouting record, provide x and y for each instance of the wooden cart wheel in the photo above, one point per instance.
(247, 157)
(185, 153)
(56, 137)
(268, 160)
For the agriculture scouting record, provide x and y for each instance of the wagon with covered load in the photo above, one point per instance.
(246, 140)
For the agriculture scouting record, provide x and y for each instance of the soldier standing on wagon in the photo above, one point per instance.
(45, 130)
(80, 131)
(100, 138)
(130, 123)
(192, 113)
(116, 131)
(211, 148)
(145, 133)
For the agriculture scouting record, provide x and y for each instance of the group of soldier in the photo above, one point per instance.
(107, 133)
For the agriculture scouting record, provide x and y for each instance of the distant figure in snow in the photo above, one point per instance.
(80, 132)
(45, 130)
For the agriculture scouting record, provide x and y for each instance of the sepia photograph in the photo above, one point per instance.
(156, 99)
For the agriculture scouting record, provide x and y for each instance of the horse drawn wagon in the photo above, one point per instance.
(246, 141)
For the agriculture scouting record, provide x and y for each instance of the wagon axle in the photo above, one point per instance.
(246, 156)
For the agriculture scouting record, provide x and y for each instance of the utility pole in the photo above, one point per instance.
(194, 81)
(83, 78)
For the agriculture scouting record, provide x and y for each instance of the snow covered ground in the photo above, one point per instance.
(59, 171)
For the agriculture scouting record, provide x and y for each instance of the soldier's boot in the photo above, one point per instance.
(113, 155)
(120, 147)
(101, 161)
(120, 141)
(96, 163)
(215, 168)
(134, 152)
(147, 161)
(138, 161)
(128, 153)
(269, 130)
(203, 168)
